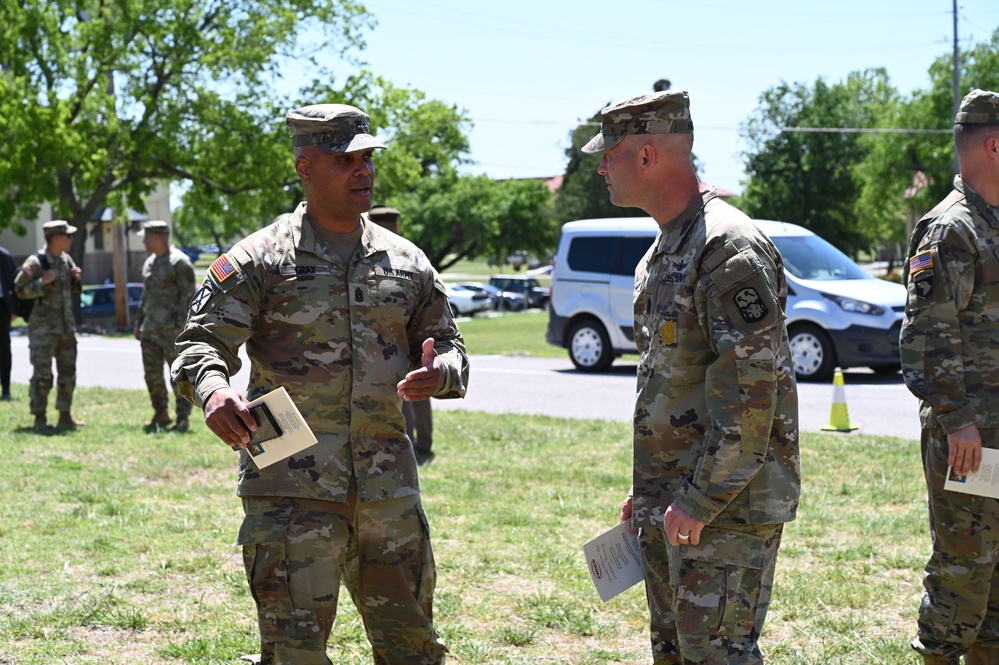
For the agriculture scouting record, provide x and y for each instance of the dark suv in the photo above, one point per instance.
(536, 295)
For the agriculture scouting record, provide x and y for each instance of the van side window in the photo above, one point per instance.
(592, 254)
(632, 251)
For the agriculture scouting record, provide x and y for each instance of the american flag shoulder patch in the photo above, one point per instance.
(222, 268)
(921, 261)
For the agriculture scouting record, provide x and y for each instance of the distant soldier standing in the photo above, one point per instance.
(950, 361)
(168, 278)
(48, 276)
(716, 470)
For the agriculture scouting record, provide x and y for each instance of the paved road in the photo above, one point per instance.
(544, 386)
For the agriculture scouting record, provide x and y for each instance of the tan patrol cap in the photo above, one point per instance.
(335, 128)
(58, 227)
(979, 107)
(666, 112)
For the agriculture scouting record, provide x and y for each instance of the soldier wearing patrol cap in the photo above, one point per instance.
(716, 468)
(351, 320)
(49, 276)
(950, 362)
(168, 281)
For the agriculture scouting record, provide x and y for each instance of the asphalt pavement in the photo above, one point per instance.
(875, 404)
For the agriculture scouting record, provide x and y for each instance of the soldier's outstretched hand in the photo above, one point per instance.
(427, 381)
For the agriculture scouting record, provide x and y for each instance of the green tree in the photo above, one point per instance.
(101, 100)
(905, 175)
(457, 217)
(807, 177)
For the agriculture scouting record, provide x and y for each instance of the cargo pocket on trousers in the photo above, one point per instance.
(718, 582)
(263, 535)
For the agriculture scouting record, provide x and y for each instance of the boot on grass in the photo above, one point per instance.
(160, 420)
(67, 421)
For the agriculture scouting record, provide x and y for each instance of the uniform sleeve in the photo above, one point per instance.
(28, 281)
(185, 290)
(220, 320)
(140, 313)
(432, 318)
(941, 279)
(739, 304)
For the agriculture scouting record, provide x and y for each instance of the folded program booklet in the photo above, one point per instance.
(615, 560)
(983, 483)
(281, 429)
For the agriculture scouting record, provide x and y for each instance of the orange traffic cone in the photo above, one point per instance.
(839, 419)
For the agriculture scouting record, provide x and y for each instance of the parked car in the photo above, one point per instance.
(192, 253)
(466, 302)
(529, 287)
(837, 314)
(97, 303)
(502, 300)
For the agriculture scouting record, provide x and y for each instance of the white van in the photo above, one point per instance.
(837, 314)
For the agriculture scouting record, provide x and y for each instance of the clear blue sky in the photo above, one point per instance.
(527, 72)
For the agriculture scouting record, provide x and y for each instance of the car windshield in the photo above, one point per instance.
(811, 257)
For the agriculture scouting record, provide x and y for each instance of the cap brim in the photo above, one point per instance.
(353, 144)
(599, 144)
(70, 230)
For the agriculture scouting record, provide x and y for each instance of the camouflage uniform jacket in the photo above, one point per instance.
(952, 313)
(338, 337)
(169, 287)
(716, 418)
(53, 309)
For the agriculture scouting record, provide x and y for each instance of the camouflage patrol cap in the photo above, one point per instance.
(666, 112)
(383, 213)
(979, 107)
(335, 128)
(156, 227)
(58, 227)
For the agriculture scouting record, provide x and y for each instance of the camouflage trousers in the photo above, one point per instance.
(960, 605)
(419, 423)
(159, 348)
(708, 601)
(297, 551)
(43, 348)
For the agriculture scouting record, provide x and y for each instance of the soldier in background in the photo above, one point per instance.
(351, 320)
(168, 279)
(49, 277)
(950, 362)
(419, 414)
(716, 470)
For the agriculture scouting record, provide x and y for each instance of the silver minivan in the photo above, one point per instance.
(837, 314)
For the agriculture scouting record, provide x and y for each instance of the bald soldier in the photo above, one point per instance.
(716, 468)
(168, 286)
(950, 362)
(49, 276)
(352, 320)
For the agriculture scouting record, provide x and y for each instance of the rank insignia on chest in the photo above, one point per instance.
(222, 268)
(667, 333)
(358, 294)
(750, 305)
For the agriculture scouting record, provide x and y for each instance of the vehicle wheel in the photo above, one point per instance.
(589, 347)
(812, 353)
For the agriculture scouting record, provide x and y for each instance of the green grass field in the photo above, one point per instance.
(116, 545)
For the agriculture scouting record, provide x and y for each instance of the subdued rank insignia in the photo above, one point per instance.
(358, 294)
(201, 297)
(668, 333)
(750, 305)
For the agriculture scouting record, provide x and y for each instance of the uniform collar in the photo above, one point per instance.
(989, 213)
(675, 230)
(306, 239)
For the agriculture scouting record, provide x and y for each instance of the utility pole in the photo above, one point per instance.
(957, 82)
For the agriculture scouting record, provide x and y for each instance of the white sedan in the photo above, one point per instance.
(465, 302)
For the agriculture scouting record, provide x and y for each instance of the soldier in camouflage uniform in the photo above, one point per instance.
(351, 319)
(168, 278)
(419, 414)
(949, 362)
(716, 471)
(49, 277)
